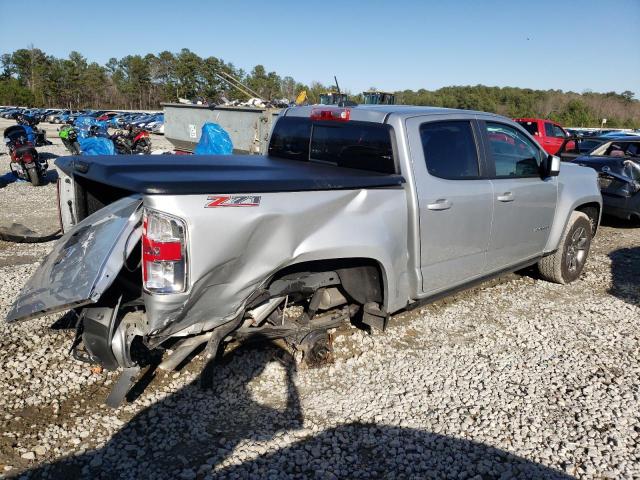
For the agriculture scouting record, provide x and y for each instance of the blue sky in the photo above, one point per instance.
(570, 45)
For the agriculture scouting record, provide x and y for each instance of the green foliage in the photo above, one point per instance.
(30, 77)
(13, 93)
(568, 108)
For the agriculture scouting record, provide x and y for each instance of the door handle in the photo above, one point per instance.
(440, 204)
(506, 197)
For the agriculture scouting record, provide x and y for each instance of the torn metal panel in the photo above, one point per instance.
(234, 251)
(83, 263)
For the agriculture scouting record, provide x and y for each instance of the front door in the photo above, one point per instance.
(524, 203)
(454, 200)
(553, 137)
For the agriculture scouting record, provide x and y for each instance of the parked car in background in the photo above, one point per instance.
(574, 147)
(619, 133)
(53, 117)
(617, 162)
(105, 117)
(549, 135)
(12, 112)
(142, 120)
(156, 126)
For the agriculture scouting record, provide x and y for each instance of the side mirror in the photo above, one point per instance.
(551, 166)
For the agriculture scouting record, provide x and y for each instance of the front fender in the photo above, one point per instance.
(577, 186)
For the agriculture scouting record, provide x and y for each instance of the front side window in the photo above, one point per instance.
(450, 149)
(513, 154)
(558, 132)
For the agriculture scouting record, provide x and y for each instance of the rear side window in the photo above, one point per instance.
(513, 154)
(531, 127)
(450, 149)
(360, 145)
(365, 146)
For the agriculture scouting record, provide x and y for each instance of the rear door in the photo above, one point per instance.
(523, 202)
(455, 201)
(83, 263)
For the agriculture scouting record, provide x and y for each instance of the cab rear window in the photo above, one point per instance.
(352, 144)
(531, 127)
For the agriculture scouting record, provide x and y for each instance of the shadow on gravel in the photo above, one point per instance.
(625, 274)
(10, 177)
(189, 433)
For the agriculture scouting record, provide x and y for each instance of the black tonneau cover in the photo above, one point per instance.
(198, 174)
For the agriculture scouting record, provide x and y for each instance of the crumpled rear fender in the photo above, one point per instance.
(234, 250)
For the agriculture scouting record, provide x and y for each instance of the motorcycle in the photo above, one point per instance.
(69, 137)
(25, 163)
(31, 122)
(133, 141)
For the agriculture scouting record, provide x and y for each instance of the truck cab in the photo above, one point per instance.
(550, 135)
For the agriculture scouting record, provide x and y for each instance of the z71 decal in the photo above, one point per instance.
(214, 201)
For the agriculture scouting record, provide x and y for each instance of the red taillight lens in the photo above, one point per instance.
(27, 158)
(164, 263)
(332, 114)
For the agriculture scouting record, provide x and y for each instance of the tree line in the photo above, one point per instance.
(31, 77)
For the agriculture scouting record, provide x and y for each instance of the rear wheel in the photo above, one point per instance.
(34, 176)
(567, 263)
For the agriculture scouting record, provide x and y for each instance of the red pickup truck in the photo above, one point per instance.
(550, 135)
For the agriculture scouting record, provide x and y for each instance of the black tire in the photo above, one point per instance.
(566, 264)
(34, 177)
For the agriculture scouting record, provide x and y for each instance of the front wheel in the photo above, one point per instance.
(34, 177)
(566, 264)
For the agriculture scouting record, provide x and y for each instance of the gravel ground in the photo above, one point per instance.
(517, 378)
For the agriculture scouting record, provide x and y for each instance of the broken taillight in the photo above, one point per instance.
(164, 253)
(328, 113)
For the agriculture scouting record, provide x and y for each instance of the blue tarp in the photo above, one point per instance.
(31, 135)
(214, 141)
(85, 122)
(96, 146)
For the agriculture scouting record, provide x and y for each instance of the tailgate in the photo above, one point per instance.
(83, 263)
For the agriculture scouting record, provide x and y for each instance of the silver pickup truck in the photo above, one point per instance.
(354, 214)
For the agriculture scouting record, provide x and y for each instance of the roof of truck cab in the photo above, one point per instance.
(379, 113)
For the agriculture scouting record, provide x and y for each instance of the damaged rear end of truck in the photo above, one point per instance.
(165, 254)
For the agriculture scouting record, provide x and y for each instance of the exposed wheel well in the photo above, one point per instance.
(592, 210)
(361, 278)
